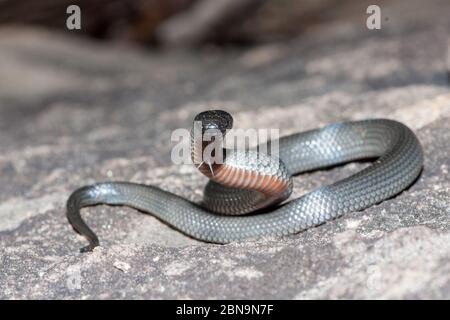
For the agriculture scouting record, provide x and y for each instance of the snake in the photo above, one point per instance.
(247, 193)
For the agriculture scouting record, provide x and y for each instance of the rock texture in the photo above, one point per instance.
(74, 112)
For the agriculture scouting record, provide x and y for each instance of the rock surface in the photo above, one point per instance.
(74, 112)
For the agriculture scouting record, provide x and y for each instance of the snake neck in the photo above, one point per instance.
(214, 163)
(247, 170)
(237, 169)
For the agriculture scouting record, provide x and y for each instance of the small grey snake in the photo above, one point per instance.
(243, 197)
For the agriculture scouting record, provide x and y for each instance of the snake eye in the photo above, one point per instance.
(215, 120)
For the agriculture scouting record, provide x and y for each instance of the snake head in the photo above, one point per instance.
(208, 134)
(214, 121)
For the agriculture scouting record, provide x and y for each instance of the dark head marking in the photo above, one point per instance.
(215, 120)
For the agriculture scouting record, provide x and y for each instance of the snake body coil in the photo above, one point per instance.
(247, 181)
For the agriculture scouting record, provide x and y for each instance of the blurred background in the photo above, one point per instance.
(160, 23)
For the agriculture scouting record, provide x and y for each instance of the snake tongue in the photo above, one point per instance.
(210, 168)
(200, 164)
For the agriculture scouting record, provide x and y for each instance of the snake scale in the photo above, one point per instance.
(244, 196)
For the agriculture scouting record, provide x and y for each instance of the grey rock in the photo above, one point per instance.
(74, 112)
